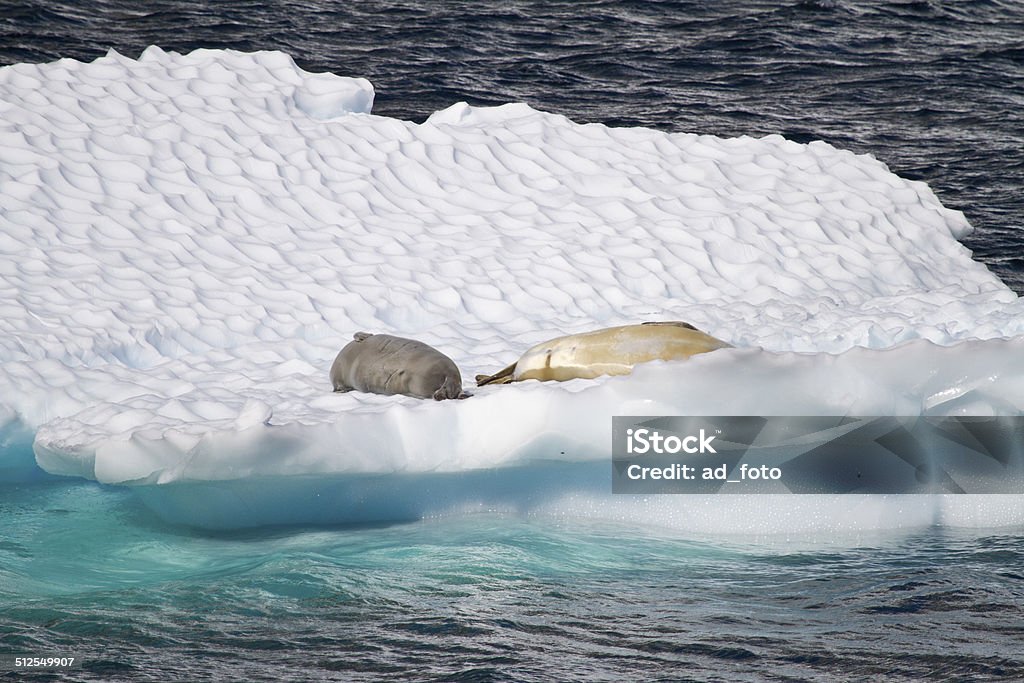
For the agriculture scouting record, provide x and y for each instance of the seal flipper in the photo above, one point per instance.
(362, 336)
(450, 388)
(673, 323)
(501, 377)
(439, 395)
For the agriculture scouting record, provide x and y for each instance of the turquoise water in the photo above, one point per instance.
(87, 570)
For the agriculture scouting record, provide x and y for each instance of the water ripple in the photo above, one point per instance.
(496, 597)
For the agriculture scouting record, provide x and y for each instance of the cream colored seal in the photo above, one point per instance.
(383, 364)
(611, 351)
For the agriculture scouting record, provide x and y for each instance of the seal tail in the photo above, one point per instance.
(501, 377)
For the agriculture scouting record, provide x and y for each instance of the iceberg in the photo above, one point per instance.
(186, 241)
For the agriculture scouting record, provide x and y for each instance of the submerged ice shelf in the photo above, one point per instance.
(187, 240)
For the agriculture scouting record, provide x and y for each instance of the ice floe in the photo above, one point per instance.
(187, 240)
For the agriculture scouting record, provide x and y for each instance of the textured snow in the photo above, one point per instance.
(186, 241)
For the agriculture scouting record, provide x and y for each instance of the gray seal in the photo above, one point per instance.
(383, 364)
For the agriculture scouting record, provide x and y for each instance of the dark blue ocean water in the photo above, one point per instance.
(86, 570)
(936, 90)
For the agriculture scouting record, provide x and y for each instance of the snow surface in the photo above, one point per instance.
(186, 241)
